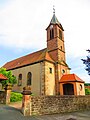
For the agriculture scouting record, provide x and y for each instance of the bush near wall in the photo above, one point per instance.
(15, 97)
(87, 91)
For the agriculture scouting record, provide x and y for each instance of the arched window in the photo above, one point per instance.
(20, 80)
(29, 78)
(80, 87)
(60, 34)
(51, 33)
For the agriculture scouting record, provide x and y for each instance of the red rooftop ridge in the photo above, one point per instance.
(70, 78)
(29, 59)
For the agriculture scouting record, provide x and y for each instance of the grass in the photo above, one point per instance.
(15, 97)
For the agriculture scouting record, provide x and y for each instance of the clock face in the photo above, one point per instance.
(51, 26)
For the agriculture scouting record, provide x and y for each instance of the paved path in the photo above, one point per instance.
(12, 113)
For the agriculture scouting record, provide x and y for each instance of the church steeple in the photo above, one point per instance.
(56, 49)
(55, 39)
(54, 20)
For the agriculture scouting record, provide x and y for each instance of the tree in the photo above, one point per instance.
(87, 62)
(11, 79)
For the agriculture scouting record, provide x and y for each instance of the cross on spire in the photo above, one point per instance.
(53, 9)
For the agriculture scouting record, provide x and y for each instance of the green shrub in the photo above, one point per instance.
(87, 91)
(15, 97)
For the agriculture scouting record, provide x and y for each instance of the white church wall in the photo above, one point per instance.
(49, 78)
(35, 82)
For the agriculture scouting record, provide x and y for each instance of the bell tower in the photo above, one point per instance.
(55, 39)
(56, 49)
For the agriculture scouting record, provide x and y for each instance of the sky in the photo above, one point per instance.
(23, 26)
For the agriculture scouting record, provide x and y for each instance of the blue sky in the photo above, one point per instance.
(23, 24)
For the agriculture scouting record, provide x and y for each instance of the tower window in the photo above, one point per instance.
(20, 80)
(29, 78)
(51, 34)
(50, 69)
(61, 47)
(60, 34)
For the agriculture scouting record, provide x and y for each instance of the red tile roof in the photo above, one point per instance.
(70, 78)
(28, 59)
(2, 77)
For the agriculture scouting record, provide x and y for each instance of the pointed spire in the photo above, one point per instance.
(54, 19)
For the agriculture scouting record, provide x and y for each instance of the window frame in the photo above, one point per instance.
(50, 70)
(60, 34)
(51, 33)
(20, 79)
(29, 78)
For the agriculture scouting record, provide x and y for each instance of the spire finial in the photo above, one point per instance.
(53, 9)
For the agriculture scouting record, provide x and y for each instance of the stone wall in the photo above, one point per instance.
(55, 104)
(2, 97)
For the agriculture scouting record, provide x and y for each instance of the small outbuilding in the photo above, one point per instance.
(2, 77)
(71, 84)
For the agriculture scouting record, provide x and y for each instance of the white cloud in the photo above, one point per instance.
(23, 24)
(20, 25)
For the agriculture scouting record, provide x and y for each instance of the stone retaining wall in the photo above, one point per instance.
(54, 104)
(2, 97)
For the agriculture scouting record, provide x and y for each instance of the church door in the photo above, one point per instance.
(68, 89)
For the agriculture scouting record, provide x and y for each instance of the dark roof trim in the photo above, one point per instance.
(72, 81)
(55, 24)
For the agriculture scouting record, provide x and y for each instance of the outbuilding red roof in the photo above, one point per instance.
(29, 59)
(70, 78)
(2, 77)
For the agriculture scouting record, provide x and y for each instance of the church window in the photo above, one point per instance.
(50, 69)
(29, 78)
(60, 34)
(20, 80)
(80, 87)
(61, 47)
(63, 71)
(51, 33)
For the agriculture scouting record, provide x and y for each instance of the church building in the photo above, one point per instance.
(43, 69)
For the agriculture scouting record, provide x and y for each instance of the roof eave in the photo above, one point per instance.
(71, 81)
(31, 64)
(59, 25)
